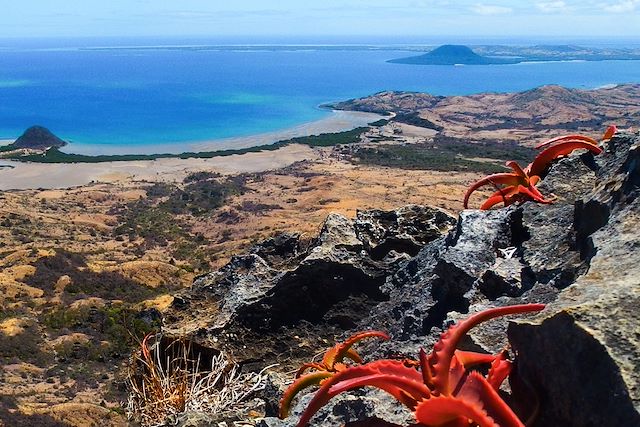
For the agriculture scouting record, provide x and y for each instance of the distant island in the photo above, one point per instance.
(450, 54)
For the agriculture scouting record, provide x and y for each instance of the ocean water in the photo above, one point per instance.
(131, 99)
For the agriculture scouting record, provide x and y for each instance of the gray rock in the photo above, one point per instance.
(582, 355)
(401, 272)
(405, 230)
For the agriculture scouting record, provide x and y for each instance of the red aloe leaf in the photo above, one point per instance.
(298, 385)
(504, 195)
(406, 391)
(451, 411)
(517, 169)
(533, 193)
(403, 377)
(425, 368)
(310, 365)
(495, 179)
(478, 392)
(499, 371)
(471, 358)
(608, 134)
(343, 350)
(542, 161)
(567, 138)
(443, 351)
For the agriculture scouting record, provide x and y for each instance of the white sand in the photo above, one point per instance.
(20, 176)
(338, 121)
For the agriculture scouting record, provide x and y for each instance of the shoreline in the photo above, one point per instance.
(257, 153)
(17, 175)
(338, 121)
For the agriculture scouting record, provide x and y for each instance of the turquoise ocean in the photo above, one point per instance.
(130, 95)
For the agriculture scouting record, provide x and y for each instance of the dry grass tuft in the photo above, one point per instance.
(163, 383)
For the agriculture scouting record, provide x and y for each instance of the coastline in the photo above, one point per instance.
(338, 121)
(16, 175)
(256, 153)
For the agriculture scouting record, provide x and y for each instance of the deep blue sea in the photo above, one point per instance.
(145, 97)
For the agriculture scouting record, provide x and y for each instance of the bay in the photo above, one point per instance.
(114, 100)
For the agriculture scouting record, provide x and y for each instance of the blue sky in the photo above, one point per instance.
(37, 18)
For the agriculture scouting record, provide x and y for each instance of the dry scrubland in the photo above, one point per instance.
(86, 271)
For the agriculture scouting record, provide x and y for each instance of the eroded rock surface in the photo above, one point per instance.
(412, 273)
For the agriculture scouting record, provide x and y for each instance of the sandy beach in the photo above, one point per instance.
(21, 176)
(338, 121)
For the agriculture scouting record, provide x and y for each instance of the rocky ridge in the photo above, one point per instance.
(413, 271)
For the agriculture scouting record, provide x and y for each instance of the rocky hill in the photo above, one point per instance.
(38, 138)
(522, 117)
(414, 270)
(450, 54)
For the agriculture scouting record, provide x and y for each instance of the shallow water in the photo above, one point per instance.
(141, 100)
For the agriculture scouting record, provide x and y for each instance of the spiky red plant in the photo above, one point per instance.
(442, 392)
(520, 185)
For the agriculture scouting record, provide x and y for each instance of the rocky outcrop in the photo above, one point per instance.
(411, 272)
(597, 317)
(38, 138)
(288, 298)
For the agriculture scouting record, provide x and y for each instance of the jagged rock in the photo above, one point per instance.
(289, 300)
(596, 319)
(259, 304)
(404, 230)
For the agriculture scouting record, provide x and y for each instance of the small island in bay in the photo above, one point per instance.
(38, 137)
(34, 140)
(450, 54)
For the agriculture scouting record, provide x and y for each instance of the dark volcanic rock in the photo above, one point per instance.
(400, 272)
(38, 138)
(286, 298)
(405, 230)
(597, 317)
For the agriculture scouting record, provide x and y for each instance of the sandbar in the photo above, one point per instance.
(16, 175)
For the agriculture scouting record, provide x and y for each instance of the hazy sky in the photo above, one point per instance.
(21, 18)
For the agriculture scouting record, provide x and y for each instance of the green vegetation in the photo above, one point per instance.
(445, 154)
(54, 155)
(24, 347)
(380, 122)
(104, 284)
(113, 330)
(415, 120)
(158, 219)
(200, 197)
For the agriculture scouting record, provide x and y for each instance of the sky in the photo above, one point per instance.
(216, 18)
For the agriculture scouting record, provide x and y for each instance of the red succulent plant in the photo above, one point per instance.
(520, 185)
(442, 392)
(332, 363)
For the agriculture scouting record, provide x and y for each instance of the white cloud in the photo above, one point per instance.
(621, 7)
(551, 6)
(489, 9)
